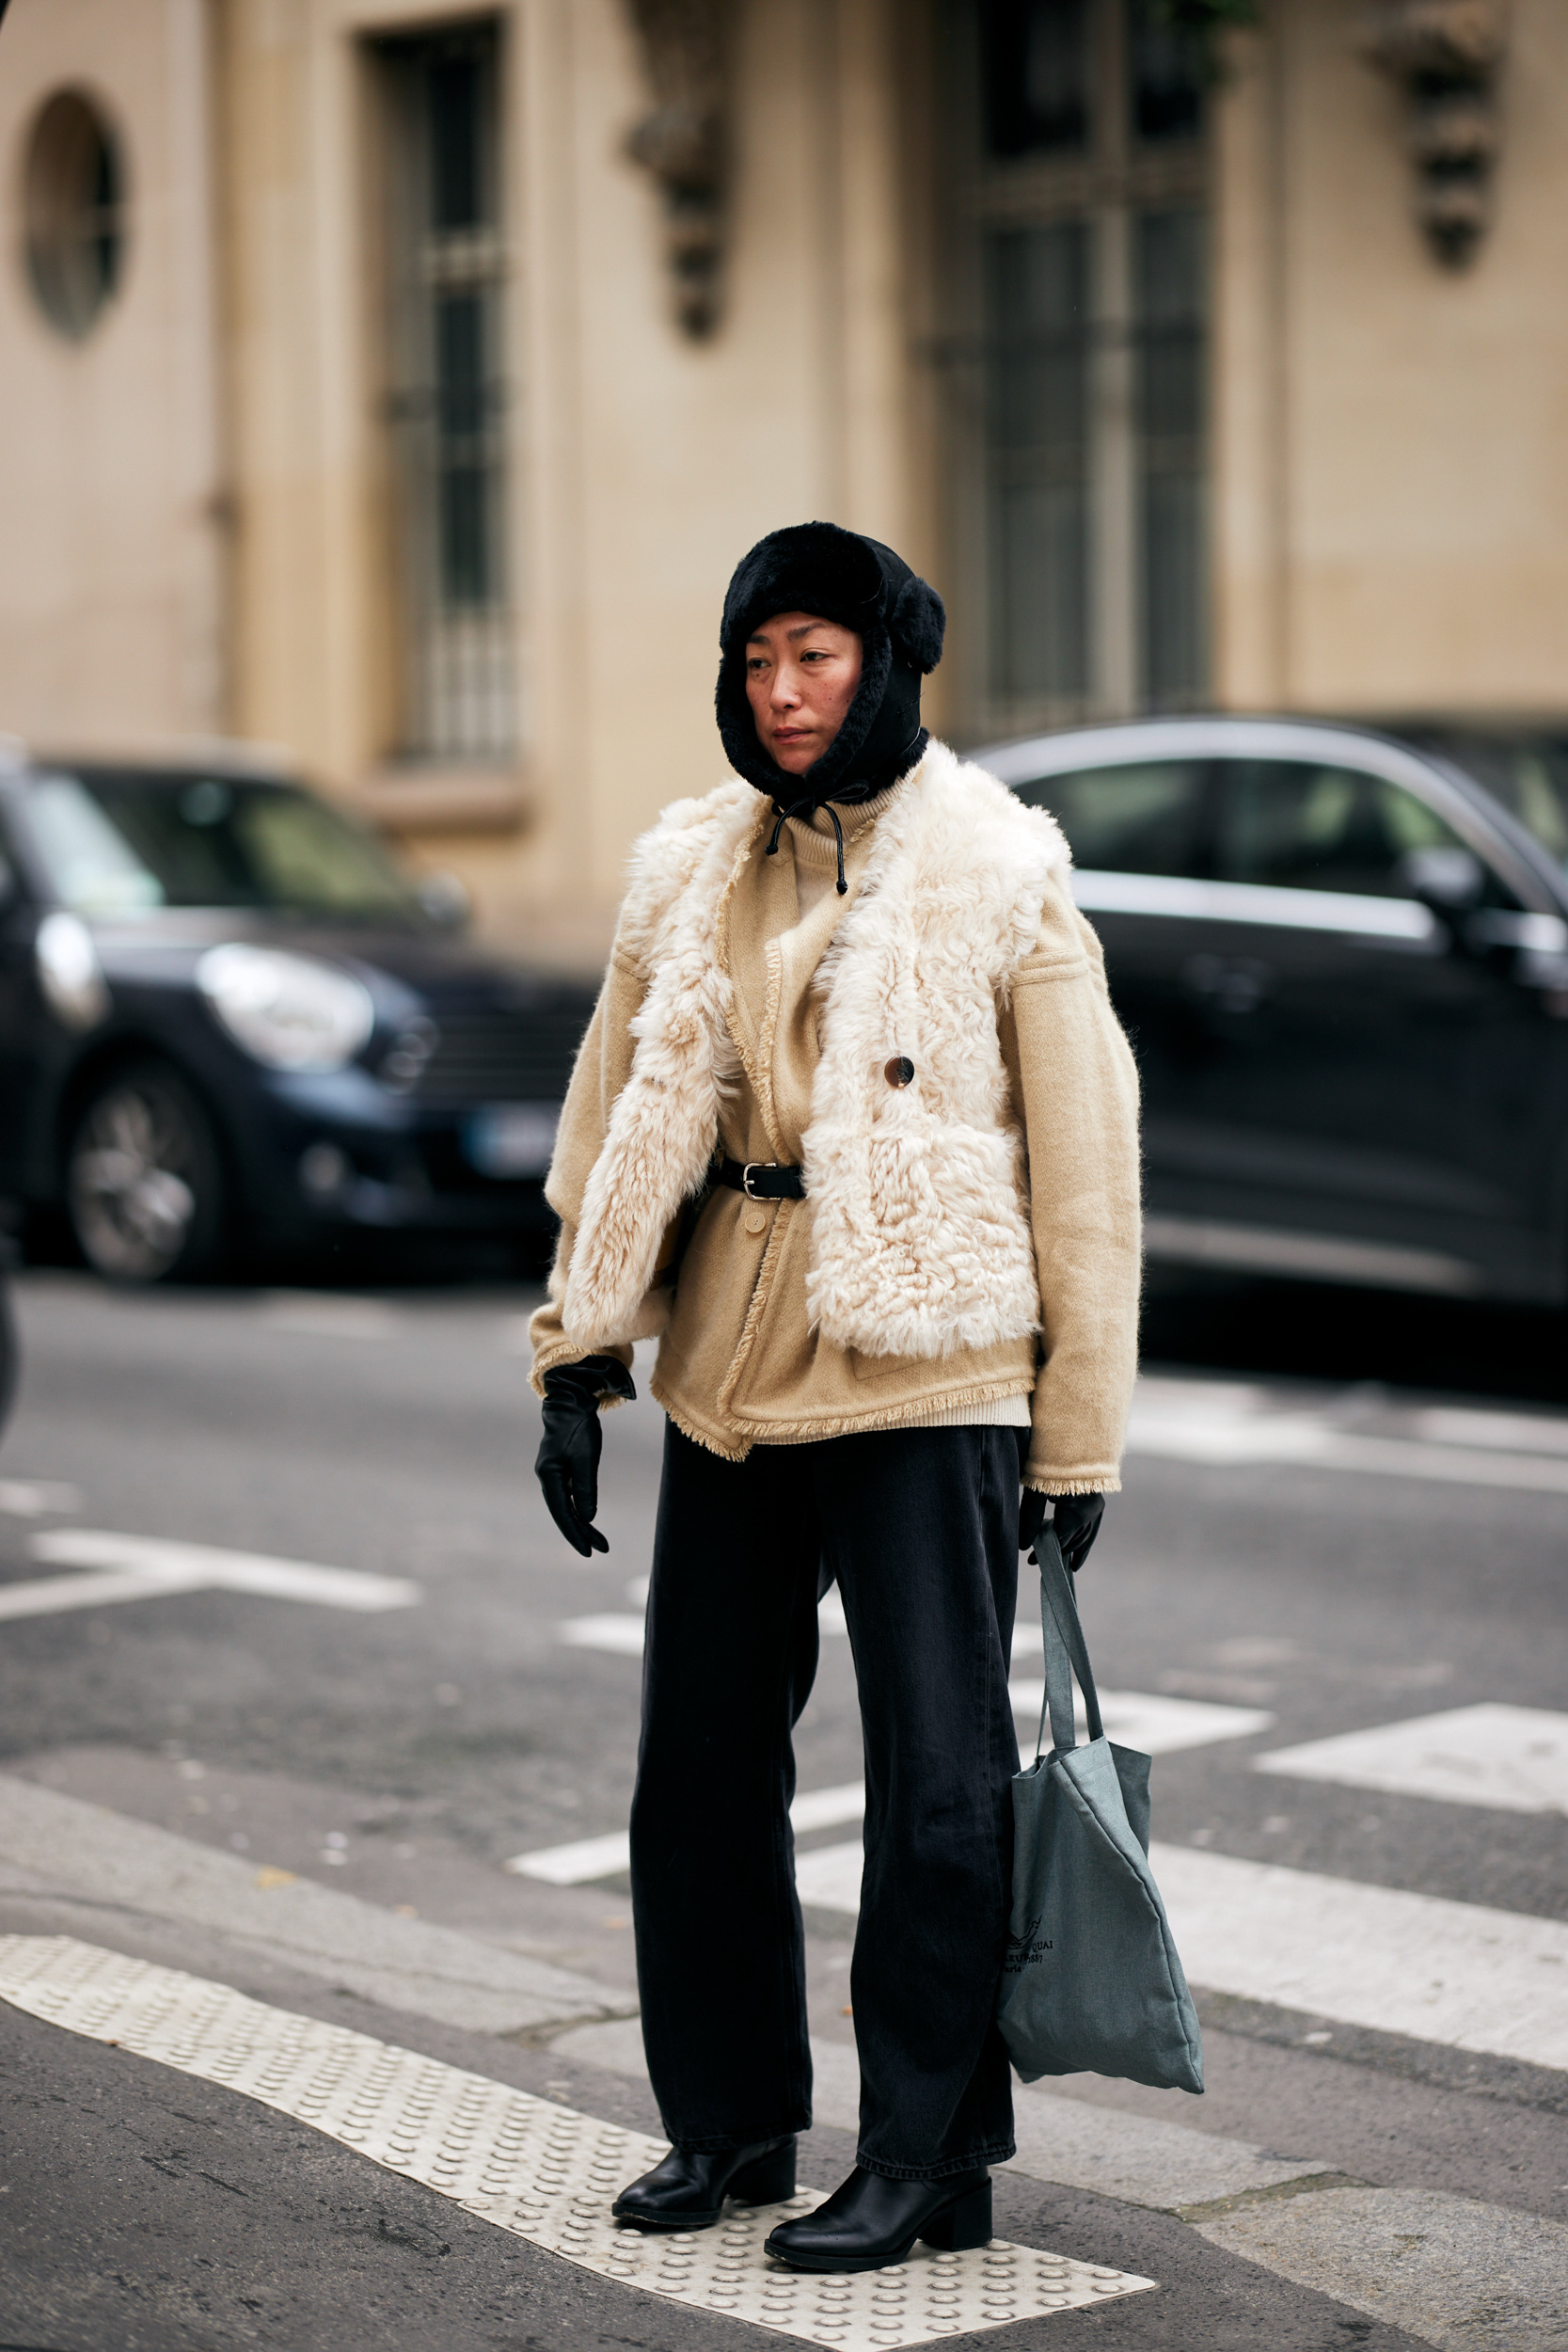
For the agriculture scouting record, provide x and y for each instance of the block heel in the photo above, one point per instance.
(963, 2225)
(768, 2180)
(871, 2221)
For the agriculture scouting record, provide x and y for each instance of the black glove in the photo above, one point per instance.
(1076, 1517)
(567, 1463)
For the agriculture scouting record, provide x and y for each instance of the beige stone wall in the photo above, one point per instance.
(1392, 438)
(110, 472)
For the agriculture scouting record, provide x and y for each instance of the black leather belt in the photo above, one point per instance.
(760, 1180)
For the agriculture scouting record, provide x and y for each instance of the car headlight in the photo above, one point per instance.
(68, 971)
(288, 1011)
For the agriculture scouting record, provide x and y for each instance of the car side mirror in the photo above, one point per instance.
(1451, 884)
(444, 900)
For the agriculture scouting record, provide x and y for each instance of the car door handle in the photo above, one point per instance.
(1234, 984)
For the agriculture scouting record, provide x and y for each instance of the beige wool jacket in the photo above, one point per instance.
(969, 1247)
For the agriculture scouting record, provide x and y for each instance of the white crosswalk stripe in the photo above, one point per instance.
(591, 1858)
(1241, 1424)
(1404, 1963)
(618, 1632)
(576, 1863)
(1149, 1721)
(1513, 1757)
(34, 1498)
(321, 1314)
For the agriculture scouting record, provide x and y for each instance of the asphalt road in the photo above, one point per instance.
(1339, 1516)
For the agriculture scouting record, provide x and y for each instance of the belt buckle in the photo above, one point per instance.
(745, 1177)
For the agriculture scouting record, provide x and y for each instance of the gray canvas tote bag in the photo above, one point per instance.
(1091, 1982)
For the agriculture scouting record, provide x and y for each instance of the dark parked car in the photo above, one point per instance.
(1342, 956)
(226, 1015)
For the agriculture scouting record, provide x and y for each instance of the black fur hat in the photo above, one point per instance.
(838, 576)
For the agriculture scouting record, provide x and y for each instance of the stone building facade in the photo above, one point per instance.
(396, 381)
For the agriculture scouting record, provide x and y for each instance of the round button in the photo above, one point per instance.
(899, 1072)
(756, 1221)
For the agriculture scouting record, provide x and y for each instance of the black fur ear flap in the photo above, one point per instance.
(918, 623)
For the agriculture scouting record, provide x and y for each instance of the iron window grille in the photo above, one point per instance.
(1075, 360)
(448, 399)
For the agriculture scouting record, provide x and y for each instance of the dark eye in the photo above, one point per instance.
(899, 1071)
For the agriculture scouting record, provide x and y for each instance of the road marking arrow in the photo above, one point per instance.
(144, 1568)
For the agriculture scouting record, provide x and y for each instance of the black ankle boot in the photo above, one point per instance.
(687, 2191)
(870, 2222)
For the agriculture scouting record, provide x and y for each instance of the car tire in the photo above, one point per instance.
(144, 1179)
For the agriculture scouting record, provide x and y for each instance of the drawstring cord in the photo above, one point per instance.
(794, 809)
(838, 838)
(853, 795)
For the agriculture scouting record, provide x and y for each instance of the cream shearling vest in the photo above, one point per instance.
(920, 1229)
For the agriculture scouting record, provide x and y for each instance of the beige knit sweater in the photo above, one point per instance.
(739, 1362)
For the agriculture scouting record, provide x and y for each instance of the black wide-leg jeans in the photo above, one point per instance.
(920, 1528)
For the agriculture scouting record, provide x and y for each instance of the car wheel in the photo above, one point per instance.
(144, 1181)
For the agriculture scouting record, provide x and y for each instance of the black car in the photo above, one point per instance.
(225, 1016)
(1343, 957)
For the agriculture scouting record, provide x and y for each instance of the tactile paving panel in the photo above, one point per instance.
(542, 2171)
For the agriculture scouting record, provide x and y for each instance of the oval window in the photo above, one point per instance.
(74, 210)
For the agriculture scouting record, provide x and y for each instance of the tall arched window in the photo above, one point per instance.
(447, 393)
(1077, 359)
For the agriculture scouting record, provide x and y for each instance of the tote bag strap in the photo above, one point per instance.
(1065, 1651)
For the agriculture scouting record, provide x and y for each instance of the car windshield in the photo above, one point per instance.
(122, 843)
(1527, 772)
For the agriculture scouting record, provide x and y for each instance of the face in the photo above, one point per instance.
(800, 678)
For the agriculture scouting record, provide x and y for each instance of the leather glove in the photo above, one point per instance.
(567, 1463)
(1076, 1517)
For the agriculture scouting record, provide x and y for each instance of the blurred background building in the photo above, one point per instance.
(398, 381)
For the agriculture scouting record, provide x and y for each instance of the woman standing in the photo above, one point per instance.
(854, 1132)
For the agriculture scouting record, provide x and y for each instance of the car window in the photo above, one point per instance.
(1528, 773)
(1140, 818)
(1302, 825)
(114, 844)
(90, 865)
(304, 855)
